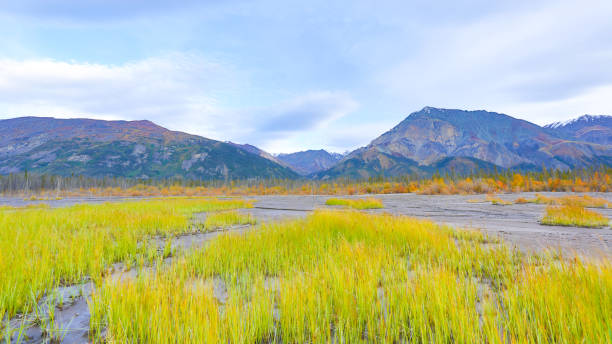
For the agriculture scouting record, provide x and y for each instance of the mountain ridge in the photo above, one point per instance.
(310, 161)
(138, 149)
(431, 134)
(431, 139)
(588, 128)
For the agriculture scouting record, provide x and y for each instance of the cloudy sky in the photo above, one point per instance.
(289, 75)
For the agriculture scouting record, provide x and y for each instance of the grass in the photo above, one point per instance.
(351, 277)
(497, 201)
(368, 203)
(224, 219)
(573, 215)
(42, 248)
(335, 276)
(585, 201)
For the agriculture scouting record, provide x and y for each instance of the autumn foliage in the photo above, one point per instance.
(506, 182)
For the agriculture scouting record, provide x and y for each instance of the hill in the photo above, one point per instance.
(139, 149)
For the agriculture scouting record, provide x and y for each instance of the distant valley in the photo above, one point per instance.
(427, 141)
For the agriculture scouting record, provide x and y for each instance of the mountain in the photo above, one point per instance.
(369, 163)
(310, 161)
(139, 149)
(473, 139)
(259, 152)
(426, 141)
(463, 165)
(594, 129)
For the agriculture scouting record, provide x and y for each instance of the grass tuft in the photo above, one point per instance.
(497, 201)
(368, 203)
(226, 219)
(572, 215)
(585, 201)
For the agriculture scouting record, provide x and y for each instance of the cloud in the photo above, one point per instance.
(91, 10)
(286, 75)
(543, 53)
(166, 89)
(290, 124)
(181, 92)
(595, 101)
(307, 112)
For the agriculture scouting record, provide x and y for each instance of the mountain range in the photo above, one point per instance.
(138, 149)
(441, 139)
(595, 129)
(426, 141)
(311, 161)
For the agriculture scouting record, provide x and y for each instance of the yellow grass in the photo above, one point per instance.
(350, 277)
(224, 219)
(572, 215)
(497, 201)
(585, 201)
(41, 247)
(368, 203)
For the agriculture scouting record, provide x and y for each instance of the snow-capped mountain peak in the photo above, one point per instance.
(586, 119)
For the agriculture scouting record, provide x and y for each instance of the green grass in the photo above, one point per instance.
(576, 216)
(350, 277)
(368, 203)
(42, 248)
(224, 219)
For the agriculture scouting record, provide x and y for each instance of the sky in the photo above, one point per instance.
(295, 75)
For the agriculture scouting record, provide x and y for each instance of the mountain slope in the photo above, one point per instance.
(430, 134)
(594, 129)
(463, 165)
(475, 138)
(139, 149)
(310, 161)
(259, 152)
(370, 164)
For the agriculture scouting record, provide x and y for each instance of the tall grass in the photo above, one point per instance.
(41, 247)
(350, 277)
(224, 219)
(573, 215)
(567, 303)
(368, 203)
